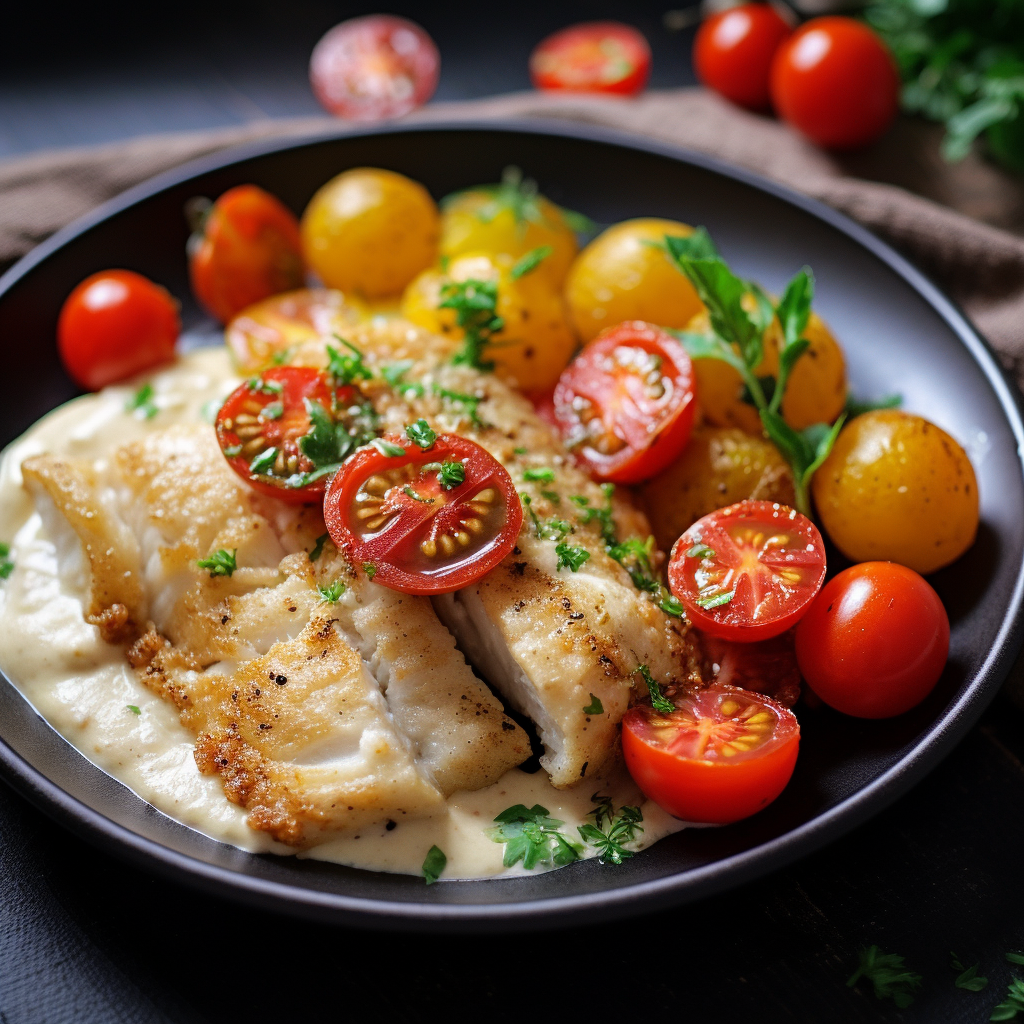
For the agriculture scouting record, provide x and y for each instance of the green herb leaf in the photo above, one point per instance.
(603, 809)
(318, 548)
(543, 473)
(595, 707)
(134, 709)
(571, 556)
(387, 449)
(394, 372)
(370, 569)
(421, 434)
(520, 450)
(716, 599)
(793, 311)
(971, 980)
(324, 444)
(553, 496)
(141, 403)
(659, 702)
(610, 843)
(220, 563)
(466, 403)
(475, 303)
(267, 387)
(281, 357)
(888, 975)
(416, 496)
(671, 605)
(331, 593)
(264, 462)
(1012, 1004)
(232, 451)
(1015, 958)
(857, 406)
(451, 474)
(6, 565)
(272, 411)
(347, 367)
(434, 864)
(528, 263)
(700, 551)
(531, 836)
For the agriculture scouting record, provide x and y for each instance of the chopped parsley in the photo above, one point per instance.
(267, 387)
(281, 357)
(134, 709)
(715, 599)
(552, 496)
(532, 837)
(434, 864)
(571, 556)
(142, 404)
(416, 496)
(530, 261)
(610, 843)
(393, 374)
(318, 547)
(370, 569)
(272, 411)
(968, 978)
(467, 403)
(889, 977)
(520, 450)
(232, 451)
(595, 707)
(700, 551)
(543, 473)
(264, 462)
(475, 304)
(346, 367)
(6, 565)
(332, 592)
(451, 474)
(553, 529)
(659, 702)
(327, 444)
(220, 563)
(420, 433)
(387, 449)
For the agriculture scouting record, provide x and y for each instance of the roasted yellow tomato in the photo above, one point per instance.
(719, 467)
(489, 220)
(370, 231)
(815, 393)
(620, 276)
(536, 342)
(897, 488)
(290, 328)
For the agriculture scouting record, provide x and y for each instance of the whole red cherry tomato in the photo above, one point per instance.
(247, 250)
(115, 324)
(874, 642)
(835, 81)
(733, 51)
(597, 56)
(374, 68)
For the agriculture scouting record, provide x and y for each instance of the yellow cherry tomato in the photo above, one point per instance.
(536, 342)
(718, 467)
(897, 488)
(370, 231)
(620, 276)
(291, 327)
(480, 220)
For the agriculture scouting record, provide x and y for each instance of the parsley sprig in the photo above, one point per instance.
(610, 842)
(421, 434)
(449, 473)
(331, 592)
(475, 304)
(889, 976)
(347, 367)
(737, 338)
(142, 404)
(531, 836)
(550, 529)
(328, 442)
(220, 563)
(434, 864)
(6, 565)
(659, 701)
(571, 556)
(528, 263)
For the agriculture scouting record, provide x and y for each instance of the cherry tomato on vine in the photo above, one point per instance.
(835, 81)
(749, 571)
(374, 68)
(625, 405)
(428, 520)
(115, 324)
(733, 51)
(246, 249)
(596, 56)
(721, 755)
(874, 642)
(278, 432)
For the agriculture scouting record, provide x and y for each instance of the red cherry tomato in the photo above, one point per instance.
(874, 642)
(749, 571)
(721, 755)
(374, 68)
(278, 432)
(625, 405)
(765, 666)
(425, 528)
(597, 56)
(247, 249)
(115, 324)
(835, 81)
(733, 51)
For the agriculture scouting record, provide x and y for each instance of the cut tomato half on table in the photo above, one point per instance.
(374, 68)
(598, 56)
(721, 755)
(749, 571)
(625, 405)
(430, 520)
(280, 431)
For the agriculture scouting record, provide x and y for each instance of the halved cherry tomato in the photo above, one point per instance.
(749, 571)
(597, 56)
(874, 642)
(625, 405)
(733, 51)
(247, 248)
(289, 326)
(278, 432)
(721, 755)
(423, 530)
(115, 324)
(373, 68)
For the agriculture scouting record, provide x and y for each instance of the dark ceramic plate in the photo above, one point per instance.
(899, 333)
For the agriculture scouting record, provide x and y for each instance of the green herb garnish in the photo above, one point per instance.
(571, 556)
(857, 407)
(532, 837)
(433, 864)
(416, 496)
(610, 842)
(267, 387)
(542, 474)
(232, 451)
(716, 599)
(467, 403)
(318, 547)
(530, 262)
(700, 551)
(370, 569)
(475, 304)
(659, 702)
(1012, 1004)
(595, 707)
(451, 474)
(264, 462)
(968, 978)
(134, 709)
(141, 403)
(387, 449)
(332, 592)
(553, 529)
(6, 565)
(888, 975)
(347, 367)
(1015, 958)
(220, 563)
(272, 411)
(420, 433)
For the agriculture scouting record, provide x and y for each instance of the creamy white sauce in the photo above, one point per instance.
(86, 689)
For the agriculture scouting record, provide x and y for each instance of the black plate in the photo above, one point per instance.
(899, 332)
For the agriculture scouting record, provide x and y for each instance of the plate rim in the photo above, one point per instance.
(693, 883)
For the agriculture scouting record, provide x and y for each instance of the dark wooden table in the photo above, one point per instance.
(85, 939)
